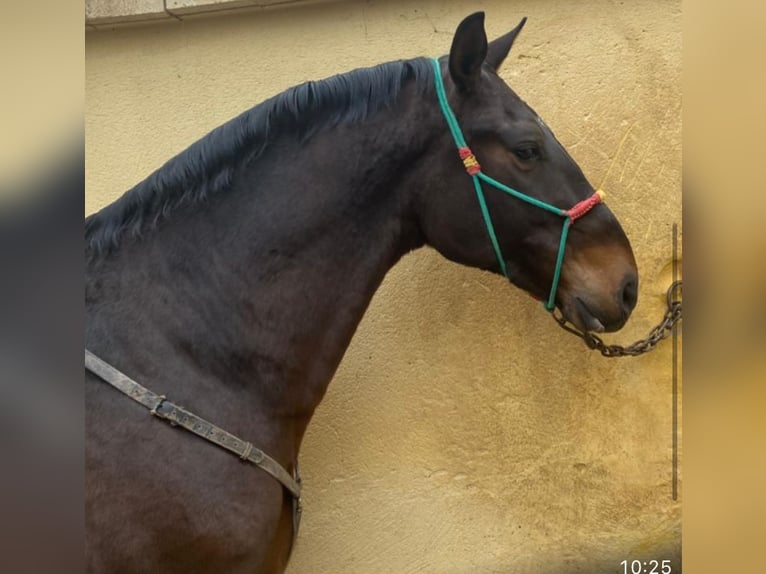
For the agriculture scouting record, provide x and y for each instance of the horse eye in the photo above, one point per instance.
(527, 152)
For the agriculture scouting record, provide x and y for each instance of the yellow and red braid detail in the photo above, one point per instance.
(469, 160)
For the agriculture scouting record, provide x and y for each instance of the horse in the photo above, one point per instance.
(232, 280)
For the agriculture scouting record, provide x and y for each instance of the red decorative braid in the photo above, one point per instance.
(469, 160)
(583, 207)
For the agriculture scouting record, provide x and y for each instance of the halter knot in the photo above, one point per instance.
(469, 160)
(583, 207)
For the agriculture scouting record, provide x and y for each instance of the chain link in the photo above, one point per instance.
(660, 332)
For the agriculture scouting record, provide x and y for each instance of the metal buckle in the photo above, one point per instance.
(165, 416)
(153, 410)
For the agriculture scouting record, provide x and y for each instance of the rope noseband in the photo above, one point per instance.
(473, 168)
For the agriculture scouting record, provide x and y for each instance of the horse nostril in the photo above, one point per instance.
(629, 293)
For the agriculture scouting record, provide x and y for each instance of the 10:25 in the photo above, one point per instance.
(650, 567)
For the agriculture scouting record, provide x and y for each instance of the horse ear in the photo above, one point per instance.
(469, 48)
(498, 49)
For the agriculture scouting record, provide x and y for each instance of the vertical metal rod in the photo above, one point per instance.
(675, 372)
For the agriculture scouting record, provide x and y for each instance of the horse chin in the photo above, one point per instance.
(577, 312)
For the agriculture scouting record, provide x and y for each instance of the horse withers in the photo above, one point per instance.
(232, 279)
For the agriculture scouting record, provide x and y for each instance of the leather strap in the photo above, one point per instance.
(160, 407)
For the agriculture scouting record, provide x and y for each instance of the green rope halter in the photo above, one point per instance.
(477, 176)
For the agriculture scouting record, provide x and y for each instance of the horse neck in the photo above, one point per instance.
(263, 289)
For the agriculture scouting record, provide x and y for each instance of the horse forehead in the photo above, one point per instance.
(505, 110)
(499, 96)
(503, 102)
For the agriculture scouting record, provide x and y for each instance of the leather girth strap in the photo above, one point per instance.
(160, 407)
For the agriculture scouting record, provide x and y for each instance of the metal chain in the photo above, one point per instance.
(660, 332)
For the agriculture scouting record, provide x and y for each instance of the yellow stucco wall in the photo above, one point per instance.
(464, 432)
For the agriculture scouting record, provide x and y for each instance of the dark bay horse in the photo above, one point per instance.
(233, 278)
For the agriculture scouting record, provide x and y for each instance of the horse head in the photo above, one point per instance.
(510, 222)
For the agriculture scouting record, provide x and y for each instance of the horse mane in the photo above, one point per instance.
(208, 165)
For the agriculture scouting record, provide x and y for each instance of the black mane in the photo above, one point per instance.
(208, 165)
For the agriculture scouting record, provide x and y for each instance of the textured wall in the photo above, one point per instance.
(464, 432)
